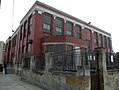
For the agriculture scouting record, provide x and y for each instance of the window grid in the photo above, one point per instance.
(95, 38)
(59, 57)
(30, 25)
(21, 32)
(105, 42)
(47, 23)
(109, 43)
(100, 40)
(23, 49)
(25, 28)
(78, 31)
(59, 26)
(69, 55)
(69, 28)
(49, 48)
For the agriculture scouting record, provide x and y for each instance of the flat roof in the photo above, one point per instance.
(40, 4)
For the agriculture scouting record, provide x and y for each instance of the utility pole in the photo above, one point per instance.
(0, 4)
(13, 15)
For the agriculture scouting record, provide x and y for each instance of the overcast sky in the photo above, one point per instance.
(103, 14)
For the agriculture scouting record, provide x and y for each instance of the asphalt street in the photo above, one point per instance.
(13, 82)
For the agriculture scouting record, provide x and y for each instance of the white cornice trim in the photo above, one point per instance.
(54, 43)
(15, 32)
(82, 27)
(33, 12)
(67, 43)
(40, 12)
(54, 17)
(68, 19)
(28, 14)
(41, 9)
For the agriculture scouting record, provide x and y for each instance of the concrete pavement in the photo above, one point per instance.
(13, 82)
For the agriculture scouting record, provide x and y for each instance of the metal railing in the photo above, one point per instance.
(69, 60)
(39, 63)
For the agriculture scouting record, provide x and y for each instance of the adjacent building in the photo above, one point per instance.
(46, 29)
(1, 54)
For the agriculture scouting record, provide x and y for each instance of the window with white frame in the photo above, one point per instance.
(59, 54)
(100, 40)
(69, 55)
(105, 42)
(78, 31)
(30, 25)
(25, 28)
(109, 42)
(47, 23)
(95, 38)
(69, 28)
(59, 26)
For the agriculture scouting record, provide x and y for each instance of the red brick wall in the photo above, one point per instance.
(37, 36)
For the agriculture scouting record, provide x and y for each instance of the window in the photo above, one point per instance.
(78, 31)
(69, 28)
(15, 40)
(26, 63)
(105, 41)
(22, 49)
(21, 32)
(39, 63)
(29, 25)
(25, 28)
(46, 28)
(69, 55)
(28, 47)
(100, 40)
(47, 23)
(59, 26)
(109, 43)
(19, 52)
(95, 38)
(49, 48)
(3, 47)
(59, 54)
(12, 41)
(77, 55)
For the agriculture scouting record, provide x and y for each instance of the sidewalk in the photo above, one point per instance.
(13, 82)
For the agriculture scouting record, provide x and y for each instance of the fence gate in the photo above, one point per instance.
(96, 79)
